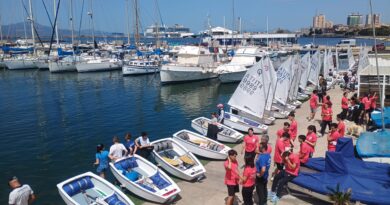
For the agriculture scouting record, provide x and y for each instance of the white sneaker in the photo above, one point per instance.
(275, 199)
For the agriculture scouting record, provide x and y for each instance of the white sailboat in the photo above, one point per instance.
(194, 63)
(296, 76)
(351, 59)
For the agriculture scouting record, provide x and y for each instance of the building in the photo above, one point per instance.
(319, 21)
(176, 31)
(328, 24)
(355, 20)
(375, 17)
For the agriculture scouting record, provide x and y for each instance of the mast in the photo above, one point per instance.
(377, 69)
(136, 34)
(90, 14)
(55, 13)
(31, 18)
(128, 22)
(1, 30)
(157, 28)
(267, 33)
(71, 21)
(233, 24)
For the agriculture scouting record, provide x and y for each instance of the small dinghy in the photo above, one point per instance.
(226, 134)
(88, 188)
(243, 124)
(177, 160)
(200, 145)
(144, 179)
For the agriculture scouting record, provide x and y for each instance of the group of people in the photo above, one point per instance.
(118, 150)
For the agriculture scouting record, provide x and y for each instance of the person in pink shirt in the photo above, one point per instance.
(341, 125)
(250, 144)
(372, 100)
(286, 128)
(292, 163)
(248, 180)
(313, 105)
(326, 118)
(293, 126)
(264, 140)
(367, 106)
(231, 176)
(280, 147)
(333, 136)
(311, 137)
(344, 104)
(305, 149)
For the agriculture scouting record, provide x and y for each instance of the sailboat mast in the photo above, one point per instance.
(136, 34)
(55, 13)
(377, 70)
(90, 13)
(71, 20)
(128, 22)
(1, 30)
(267, 33)
(31, 18)
(157, 27)
(233, 23)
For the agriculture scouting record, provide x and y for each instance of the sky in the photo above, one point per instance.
(110, 15)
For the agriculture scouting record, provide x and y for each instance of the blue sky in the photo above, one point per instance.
(109, 15)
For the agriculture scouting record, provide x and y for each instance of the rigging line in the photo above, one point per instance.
(81, 18)
(159, 13)
(35, 29)
(47, 13)
(54, 27)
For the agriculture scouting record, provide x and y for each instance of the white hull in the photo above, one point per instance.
(42, 65)
(96, 67)
(139, 70)
(241, 124)
(199, 149)
(20, 64)
(267, 119)
(190, 174)
(231, 77)
(147, 169)
(102, 189)
(227, 134)
(177, 73)
(59, 66)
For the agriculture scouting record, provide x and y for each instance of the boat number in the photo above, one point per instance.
(250, 84)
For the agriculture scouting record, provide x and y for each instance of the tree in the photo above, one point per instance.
(339, 197)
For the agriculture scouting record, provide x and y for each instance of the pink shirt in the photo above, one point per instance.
(312, 137)
(279, 133)
(373, 102)
(231, 176)
(327, 114)
(294, 159)
(279, 149)
(333, 142)
(367, 103)
(269, 149)
(313, 101)
(344, 103)
(304, 152)
(293, 130)
(341, 128)
(250, 174)
(251, 143)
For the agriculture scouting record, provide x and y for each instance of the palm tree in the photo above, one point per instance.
(339, 197)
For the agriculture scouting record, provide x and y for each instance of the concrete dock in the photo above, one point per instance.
(212, 191)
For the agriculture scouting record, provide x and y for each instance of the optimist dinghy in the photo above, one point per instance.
(200, 145)
(177, 160)
(144, 179)
(226, 134)
(243, 124)
(88, 188)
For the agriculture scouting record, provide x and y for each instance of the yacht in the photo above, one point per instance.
(140, 66)
(20, 62)
(67, 64)
(99, 64)
(193, 63)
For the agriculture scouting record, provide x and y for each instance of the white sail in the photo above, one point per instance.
(296, 73)
(328, 63)
(363, 59)
(269, 80)
(314, 68)
(351, 59)
(283, 81)
(249, 95)
(304, 68)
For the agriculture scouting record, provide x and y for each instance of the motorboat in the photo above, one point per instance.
(177, 160)
(201, 145)
(88, 188)
(242, 124)
(225, 134)
(139, 67)
(144, 179)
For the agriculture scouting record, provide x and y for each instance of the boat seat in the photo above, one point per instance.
(159, 182)
(169, 145)
(126, 164)
(132, 175)
(172, 162)
(114, 200)
(184, 136)
(186, 159)
(78, 186)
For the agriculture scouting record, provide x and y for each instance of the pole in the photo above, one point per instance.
(267, 34)
(54, 10)
(31, 18)
(71, 21)
(377, 69)
(128, 22)
(1, 30)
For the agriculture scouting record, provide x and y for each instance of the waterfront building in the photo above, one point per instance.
(319, 21)
(176, 31)
(370, 18)
(355, 20)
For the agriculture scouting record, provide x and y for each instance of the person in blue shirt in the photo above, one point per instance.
(102, 160)
(129, 144)
(262, 167)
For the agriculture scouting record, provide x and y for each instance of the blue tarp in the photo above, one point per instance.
(365, 190)
(374, 144)
(355, 166)
(377, 118)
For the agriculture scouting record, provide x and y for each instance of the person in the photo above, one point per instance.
(20, 194)
(344, 105)
(286, 128)
(280, 147)
(291, 160)
(214, 118)
(311, 138)
(142, 144)
(129, 144)
(264, 141)
(231, 176)
(326, 118)
(221, 113)
(373, 100)
(328, 101)
(321, 90)
(117, 150)
(293, 126)
(367, 106)
(333, 136)
(102, 160)
(341, 125)
(346, 81)
(250, 143)
(305, 150)
(263, 164)
(353, 82)
(248, 180)
(313, 105)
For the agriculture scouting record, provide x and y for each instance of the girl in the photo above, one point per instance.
(101, 160)
(248, 180)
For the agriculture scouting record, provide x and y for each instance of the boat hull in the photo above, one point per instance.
(58, 67)
(20, 64)
(221, 136)
(178, 74)
(238, 123)
(231, 77)
(97, 67)
(138, 70)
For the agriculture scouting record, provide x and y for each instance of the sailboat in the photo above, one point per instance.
(296, 76)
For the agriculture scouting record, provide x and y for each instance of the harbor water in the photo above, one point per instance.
(51, 123)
